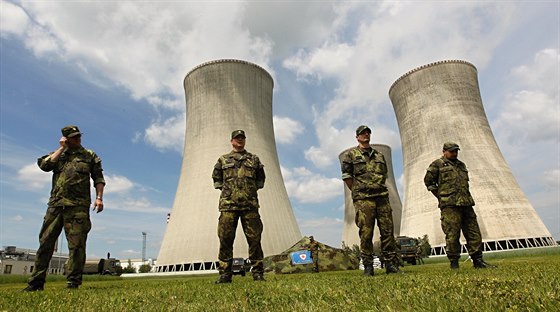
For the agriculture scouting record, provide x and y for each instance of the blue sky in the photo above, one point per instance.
(116, 69)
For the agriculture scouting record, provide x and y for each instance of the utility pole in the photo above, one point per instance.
(143, 247)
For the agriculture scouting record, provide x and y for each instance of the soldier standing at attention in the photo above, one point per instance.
(364, 171)
(239, 174)
(72, 166)
(448, 179)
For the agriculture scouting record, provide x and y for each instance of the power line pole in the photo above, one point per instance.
(143, 246)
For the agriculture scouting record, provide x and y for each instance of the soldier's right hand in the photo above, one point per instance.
(62, 142)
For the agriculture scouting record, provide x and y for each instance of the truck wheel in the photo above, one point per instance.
(243, 273)
(413, 261)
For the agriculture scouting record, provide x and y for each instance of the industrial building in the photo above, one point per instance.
(441, 102)
(222, 96)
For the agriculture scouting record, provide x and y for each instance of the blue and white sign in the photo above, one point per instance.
(301, 257)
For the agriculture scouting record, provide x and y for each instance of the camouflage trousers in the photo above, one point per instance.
(315, 258)
(367, 211)
(454, 220)
(76, 223)
(252, 227)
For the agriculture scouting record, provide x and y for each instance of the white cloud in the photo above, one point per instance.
(13, 19)
(117, 184)
(532, 112)
(378, 57)
(531, 116)
(33, 177)
(286, 129)
(308, 187)
(129, 252)
(552, 180)
(136, 205)
(328, 60)
(145, 47)
(16, 218)
(168, 134)
(323, 229)
(545, 64)
(322, 222)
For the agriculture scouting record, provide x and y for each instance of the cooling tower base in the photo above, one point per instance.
(211, 267)
(504, 245)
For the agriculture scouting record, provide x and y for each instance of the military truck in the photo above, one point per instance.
(109, 266)
(239, 266)
(409, 249)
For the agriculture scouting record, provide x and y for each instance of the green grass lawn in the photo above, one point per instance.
(524, 281)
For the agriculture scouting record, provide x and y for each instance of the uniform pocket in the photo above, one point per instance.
(228, 169)
(360, 166)
(447, 174)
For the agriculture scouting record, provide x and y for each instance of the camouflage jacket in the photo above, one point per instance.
(451, 180)
(238, 175)
(71, 174)
(368, 171)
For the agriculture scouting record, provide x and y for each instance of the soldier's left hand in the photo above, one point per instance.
(98, 205)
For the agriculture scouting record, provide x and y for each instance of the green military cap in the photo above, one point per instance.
(70, 131)
(237, 133)
(450, 146)
(361, 129)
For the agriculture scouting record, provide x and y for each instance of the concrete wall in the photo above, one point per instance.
(441, 102)
(223, 96)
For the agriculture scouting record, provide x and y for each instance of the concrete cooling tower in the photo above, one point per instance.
(223, 96)
(441, 102)
(350, 233)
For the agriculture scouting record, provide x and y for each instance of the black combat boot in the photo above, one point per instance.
(39, 287)
(392, 268)
(480, 264)
(258, 277)
(72, 286)
(454, 264)
(224, 278)
(368, 270)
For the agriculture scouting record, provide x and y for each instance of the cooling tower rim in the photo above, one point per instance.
(430, 65)
(227, 61)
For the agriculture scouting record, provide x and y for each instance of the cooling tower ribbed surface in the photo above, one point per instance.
(223, 96)
(350, 233)
(441, 102)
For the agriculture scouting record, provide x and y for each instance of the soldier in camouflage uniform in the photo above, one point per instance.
(72, 166)
(313, 247)
(364, 171)
(448, 179)
(239, 174)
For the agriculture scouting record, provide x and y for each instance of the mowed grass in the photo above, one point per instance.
(524, 281)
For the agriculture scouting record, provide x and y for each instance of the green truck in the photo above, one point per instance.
(109, 266)
(409, 249)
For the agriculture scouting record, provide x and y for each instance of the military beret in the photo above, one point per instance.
(361, 129)
(450, 146)
(237, 133)
(70, 131)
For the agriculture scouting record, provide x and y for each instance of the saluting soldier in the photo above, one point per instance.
(239, 174)
(73, 166)
(448, 179)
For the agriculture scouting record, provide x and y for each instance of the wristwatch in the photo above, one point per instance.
(99, 197)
